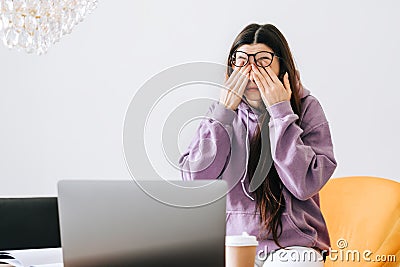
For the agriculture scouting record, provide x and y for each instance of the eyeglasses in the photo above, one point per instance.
(262, 58)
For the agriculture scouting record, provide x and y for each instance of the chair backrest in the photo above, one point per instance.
(28, 223)
(362, 213)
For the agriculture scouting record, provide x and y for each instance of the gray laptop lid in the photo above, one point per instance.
(116, 223)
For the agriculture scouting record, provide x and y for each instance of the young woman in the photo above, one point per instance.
(268, 130)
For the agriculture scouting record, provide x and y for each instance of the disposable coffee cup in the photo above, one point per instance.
(240, 250)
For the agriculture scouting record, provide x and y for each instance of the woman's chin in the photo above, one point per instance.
(252, 95)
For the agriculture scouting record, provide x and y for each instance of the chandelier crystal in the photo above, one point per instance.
(33, 25)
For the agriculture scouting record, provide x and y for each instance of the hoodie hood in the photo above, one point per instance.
(305, 92)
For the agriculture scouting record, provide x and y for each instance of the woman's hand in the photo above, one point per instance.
(235, 85)
(271, 88)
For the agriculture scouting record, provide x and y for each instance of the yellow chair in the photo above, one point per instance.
(363, 219)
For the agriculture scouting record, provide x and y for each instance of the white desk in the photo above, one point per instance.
(47, 257)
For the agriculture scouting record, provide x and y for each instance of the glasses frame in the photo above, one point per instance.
(254, 56)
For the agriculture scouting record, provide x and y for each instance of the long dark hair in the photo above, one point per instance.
(269, 197)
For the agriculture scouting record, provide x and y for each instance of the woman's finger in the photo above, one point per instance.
(267, 76)
(271, 74)
(262, 90)
(240, 77)
(258, 82)
(232, 94)
(243, 85)
(240, 72)
(286, 83)
(233, 75)
(260, 77)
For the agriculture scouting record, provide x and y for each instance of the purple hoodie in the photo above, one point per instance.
(303, 157)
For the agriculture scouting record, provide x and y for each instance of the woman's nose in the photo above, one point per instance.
(251, 60)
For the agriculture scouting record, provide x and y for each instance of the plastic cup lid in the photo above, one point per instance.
(241, 240)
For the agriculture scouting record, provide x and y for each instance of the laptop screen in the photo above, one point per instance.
(118, 223)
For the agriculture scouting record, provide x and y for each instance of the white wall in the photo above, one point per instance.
(62, 113)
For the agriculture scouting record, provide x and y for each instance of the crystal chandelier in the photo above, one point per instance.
(33, 25)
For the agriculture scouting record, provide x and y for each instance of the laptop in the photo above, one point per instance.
(119, 223)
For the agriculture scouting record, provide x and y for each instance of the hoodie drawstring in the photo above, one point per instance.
(247, 158)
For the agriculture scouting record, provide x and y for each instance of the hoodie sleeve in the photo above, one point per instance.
(303, 158)
(208, 152)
